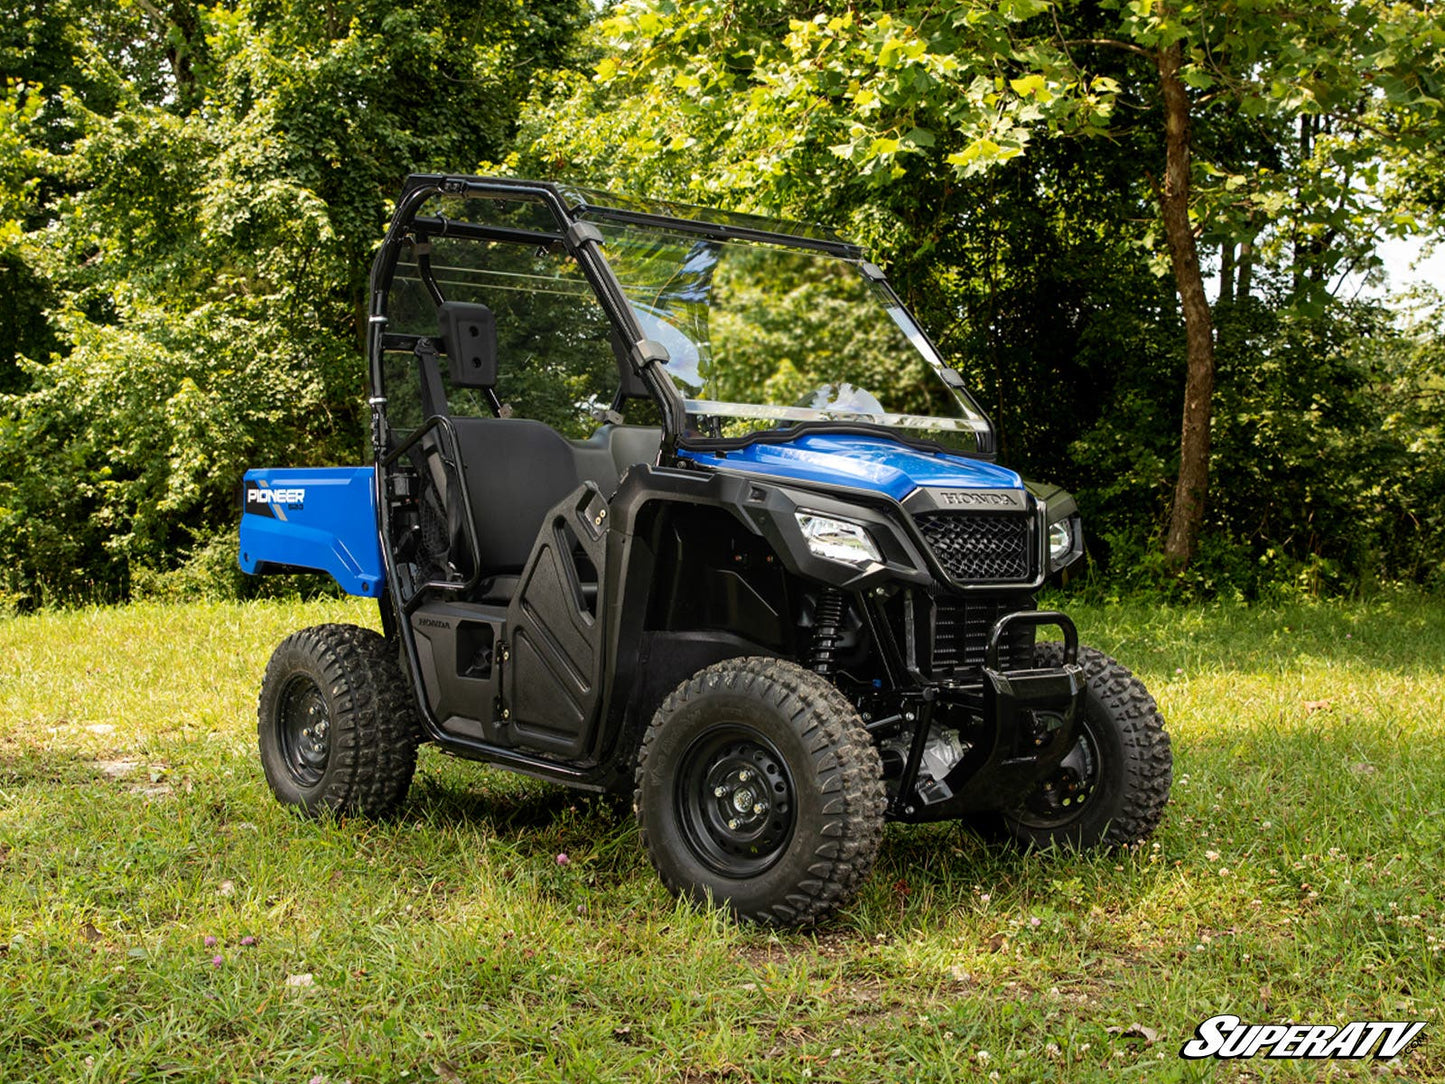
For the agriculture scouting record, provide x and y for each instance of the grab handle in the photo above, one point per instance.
(1036, 618)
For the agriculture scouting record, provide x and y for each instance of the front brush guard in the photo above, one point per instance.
(1033, 714)
(1029, 719)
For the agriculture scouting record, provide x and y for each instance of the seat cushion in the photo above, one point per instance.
(517, 469)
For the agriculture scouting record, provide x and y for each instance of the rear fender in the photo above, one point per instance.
(315, 519)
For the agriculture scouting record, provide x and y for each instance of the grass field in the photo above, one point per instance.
(1298, 875)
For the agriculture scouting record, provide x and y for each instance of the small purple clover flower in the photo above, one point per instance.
(217, 960)
(209, 942)
(563, 860)
(247, 941)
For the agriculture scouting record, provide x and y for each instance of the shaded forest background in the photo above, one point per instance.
(190, 196)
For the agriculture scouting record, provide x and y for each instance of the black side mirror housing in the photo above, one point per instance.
(469, 338)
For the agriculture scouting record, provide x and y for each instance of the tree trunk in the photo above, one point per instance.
(184, 37)
(1187, 513)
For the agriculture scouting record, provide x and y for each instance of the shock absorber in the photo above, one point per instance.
(827, 630)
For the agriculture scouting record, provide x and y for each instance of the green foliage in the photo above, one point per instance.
(189, 197)
(188, 204)
(1326, 460)
(958, 146)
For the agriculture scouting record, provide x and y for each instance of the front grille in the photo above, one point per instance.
(978, 547)
(960, 635)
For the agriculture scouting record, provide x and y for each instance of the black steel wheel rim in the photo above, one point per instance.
(303, 727)
(735, 801)
(1063, 796)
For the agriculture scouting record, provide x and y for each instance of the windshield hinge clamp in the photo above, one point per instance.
(646, 353)
(580, 233)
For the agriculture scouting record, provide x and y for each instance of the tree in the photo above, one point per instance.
(1314, 64)
(920, 99)
(199, 192)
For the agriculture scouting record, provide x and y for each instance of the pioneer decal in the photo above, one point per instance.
(262, 499)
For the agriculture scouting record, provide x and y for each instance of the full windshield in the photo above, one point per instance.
(763, 337)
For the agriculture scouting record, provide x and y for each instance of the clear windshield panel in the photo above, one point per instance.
(761, 336)
(555, 361)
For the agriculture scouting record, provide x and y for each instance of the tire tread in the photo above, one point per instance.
(1148, 755)
(375, 728)
(847, 768)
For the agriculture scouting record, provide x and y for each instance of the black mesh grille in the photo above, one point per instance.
(960, 634)
(976, 547)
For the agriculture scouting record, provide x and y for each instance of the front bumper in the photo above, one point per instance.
(1021, 725)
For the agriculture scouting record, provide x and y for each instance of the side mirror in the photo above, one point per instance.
(469, 338)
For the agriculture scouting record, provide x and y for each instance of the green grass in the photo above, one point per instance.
(1298, 874)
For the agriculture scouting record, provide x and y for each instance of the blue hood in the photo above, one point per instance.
(859, 462)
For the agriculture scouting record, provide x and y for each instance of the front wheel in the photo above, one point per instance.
(337, 726)
(1112, 786)
(757, 787)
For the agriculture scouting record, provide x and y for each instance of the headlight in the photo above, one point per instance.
(837, 539)
(1061, 542)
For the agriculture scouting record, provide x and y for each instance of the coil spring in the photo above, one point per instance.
(827, 631)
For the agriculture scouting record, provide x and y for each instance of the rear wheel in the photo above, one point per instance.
(336, 724)
(1111, 788)
(758, 788)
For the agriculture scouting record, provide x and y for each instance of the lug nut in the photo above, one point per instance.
(733, 824)
(718, 792)
(760, 808)
(744, 775)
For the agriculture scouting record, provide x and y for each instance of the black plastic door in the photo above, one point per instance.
(552, 674)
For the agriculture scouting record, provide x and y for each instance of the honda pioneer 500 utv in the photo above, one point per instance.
(686, 505)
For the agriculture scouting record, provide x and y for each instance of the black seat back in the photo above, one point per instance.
(516, 469)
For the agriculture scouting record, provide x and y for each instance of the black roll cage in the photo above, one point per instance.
(584, 242)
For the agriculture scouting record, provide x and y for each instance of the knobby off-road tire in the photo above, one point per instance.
(759, 789)
(337, 725)
(1122, 759)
